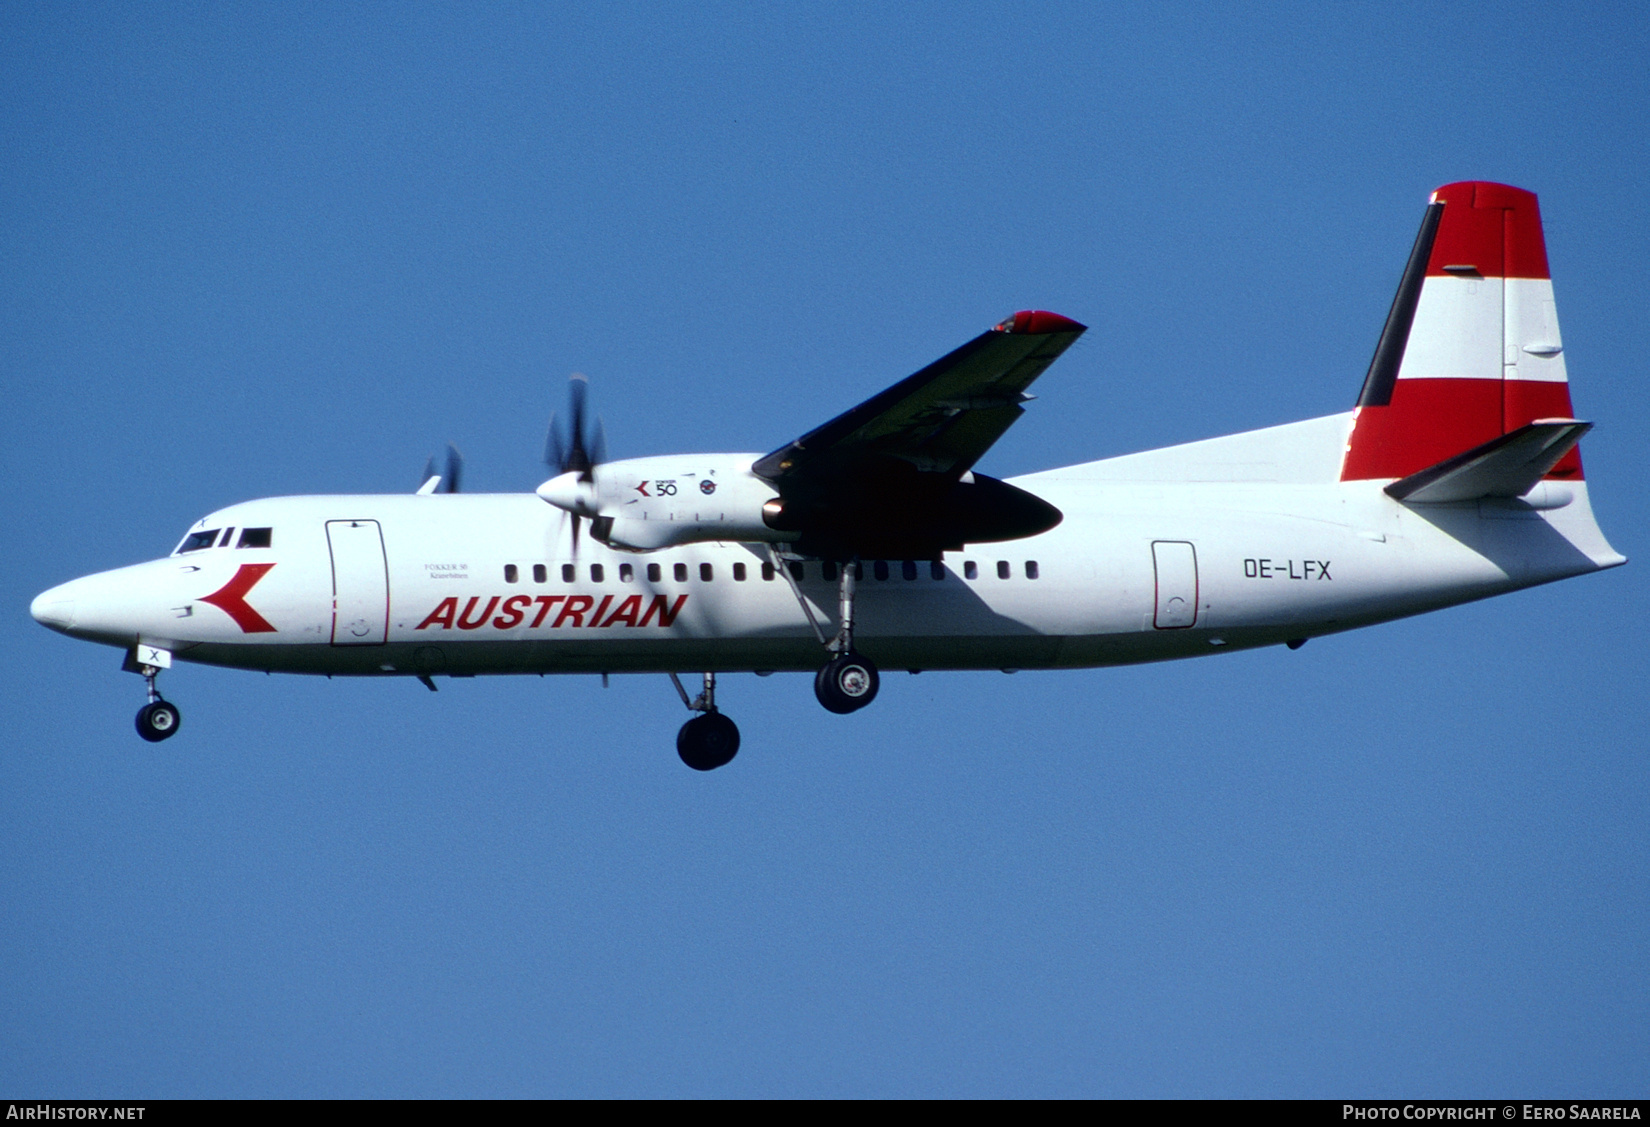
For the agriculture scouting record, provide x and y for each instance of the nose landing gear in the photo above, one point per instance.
(158, 720)
(709, 740)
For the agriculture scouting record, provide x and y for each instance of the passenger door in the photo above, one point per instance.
(360, 583)
(1175, 562)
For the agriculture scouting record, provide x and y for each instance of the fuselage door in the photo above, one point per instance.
(1176, 565)
(360, 583)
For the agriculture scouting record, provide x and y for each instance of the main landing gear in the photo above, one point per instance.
(158, 720)
(710, 740)
(848, 682)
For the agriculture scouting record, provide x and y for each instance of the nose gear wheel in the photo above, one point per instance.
(158, 720)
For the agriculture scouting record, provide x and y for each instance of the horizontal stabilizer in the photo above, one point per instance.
(1509, 466)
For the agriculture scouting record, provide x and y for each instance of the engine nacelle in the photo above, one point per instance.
(642, 504)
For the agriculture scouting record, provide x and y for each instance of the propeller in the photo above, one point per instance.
(579, 452)
(445, 480)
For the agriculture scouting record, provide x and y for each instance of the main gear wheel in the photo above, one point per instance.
(847, 683)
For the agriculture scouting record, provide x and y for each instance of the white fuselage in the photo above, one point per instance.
(1236, 542)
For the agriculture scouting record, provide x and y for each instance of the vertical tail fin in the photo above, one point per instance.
(1471, 349)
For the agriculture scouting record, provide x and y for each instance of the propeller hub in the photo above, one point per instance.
(571, 493)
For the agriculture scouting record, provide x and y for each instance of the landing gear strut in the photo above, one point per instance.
(849, 681)
(710, 740)
(158, 720)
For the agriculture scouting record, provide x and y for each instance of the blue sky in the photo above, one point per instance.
(252, 250)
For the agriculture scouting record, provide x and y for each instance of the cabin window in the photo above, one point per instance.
(195, 541)
(509, 573)
(798, 572)
(767, 572)
(859, 570)
(936, 570)
(880, 568)
(627, 573)
(255, 537)
(706, 573)
(971, 570)
(908, 569)
(738, 573)
(654, 573)
(540, 573)
(1003, 570)
(1031, 569)
(569, 573)
(596, 573)
(680, 571)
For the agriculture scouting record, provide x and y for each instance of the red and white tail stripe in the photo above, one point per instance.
(1471, 350)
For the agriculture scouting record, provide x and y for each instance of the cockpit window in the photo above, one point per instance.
(195, 541)
(255, 538)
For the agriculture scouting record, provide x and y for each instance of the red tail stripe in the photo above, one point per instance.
(1494, 228)
(1430, 420)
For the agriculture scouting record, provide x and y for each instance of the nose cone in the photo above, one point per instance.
(113, 607)
(569, 493)
(54, 608)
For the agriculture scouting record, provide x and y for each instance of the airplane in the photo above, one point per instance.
(873, 541)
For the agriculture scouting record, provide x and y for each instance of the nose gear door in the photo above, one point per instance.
(360, 583)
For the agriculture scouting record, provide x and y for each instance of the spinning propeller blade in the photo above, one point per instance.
(582, 449)
(455, 470)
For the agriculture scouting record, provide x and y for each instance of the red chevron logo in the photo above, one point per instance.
(231, 599)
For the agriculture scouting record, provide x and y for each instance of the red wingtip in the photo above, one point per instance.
(1039, 322)
(1493, 228)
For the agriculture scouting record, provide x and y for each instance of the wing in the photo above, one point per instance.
(943, 418)
(892, 477)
